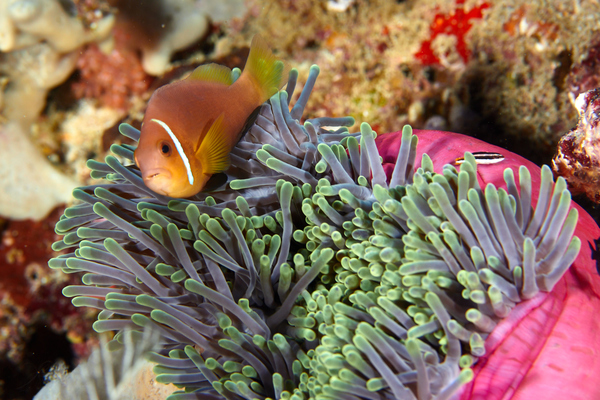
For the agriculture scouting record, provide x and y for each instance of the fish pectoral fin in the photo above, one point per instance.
(213, 152)
(212, 73)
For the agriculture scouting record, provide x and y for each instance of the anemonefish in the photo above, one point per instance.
(190, 126)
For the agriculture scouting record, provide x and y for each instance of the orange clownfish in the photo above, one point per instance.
(190, 126)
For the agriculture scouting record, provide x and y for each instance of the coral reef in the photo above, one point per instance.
(90, 12)
(41, 44)
(506, 71)
(312, 273)
(27, 22)
(514, 60)
(30, 73)
(33, 311)
(83, 129)
(578, 158)
(584, 75)
(38, 42)
(339, 6)
(510, 90)
(456, 25)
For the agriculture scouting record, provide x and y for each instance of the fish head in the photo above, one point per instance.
(165, 166)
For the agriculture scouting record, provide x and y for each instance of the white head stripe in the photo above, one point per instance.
(184, 158)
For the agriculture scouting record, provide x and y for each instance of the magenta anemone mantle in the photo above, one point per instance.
(548, 347)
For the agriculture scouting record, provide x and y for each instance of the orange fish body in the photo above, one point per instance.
(190, 126)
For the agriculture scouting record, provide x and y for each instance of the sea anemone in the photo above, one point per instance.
(312, 273)
(546, 348)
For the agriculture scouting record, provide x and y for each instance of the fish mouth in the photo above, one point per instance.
(155, 174)
(158, 180)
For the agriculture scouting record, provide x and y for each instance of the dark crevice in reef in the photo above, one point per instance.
(565, 62)
(62, 98)
(23, 380)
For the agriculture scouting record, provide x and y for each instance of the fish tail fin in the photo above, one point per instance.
(269, 73)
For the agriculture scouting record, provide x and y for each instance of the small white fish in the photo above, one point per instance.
(483, 158)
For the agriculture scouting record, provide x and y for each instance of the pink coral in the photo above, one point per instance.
(111, 78)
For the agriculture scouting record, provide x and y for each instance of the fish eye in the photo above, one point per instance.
(165, 148)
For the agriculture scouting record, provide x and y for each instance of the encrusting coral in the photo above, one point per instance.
(312, 274)
(578, 158)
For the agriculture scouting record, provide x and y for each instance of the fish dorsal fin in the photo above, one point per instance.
(213, 152)
(212, 73)
(267, 71)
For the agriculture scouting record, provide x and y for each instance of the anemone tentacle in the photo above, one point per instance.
(309, 275)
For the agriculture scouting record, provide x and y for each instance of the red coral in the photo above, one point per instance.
(38, 324)
(112, 79)
(456, 23)
(29, 292)
(24, 244)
